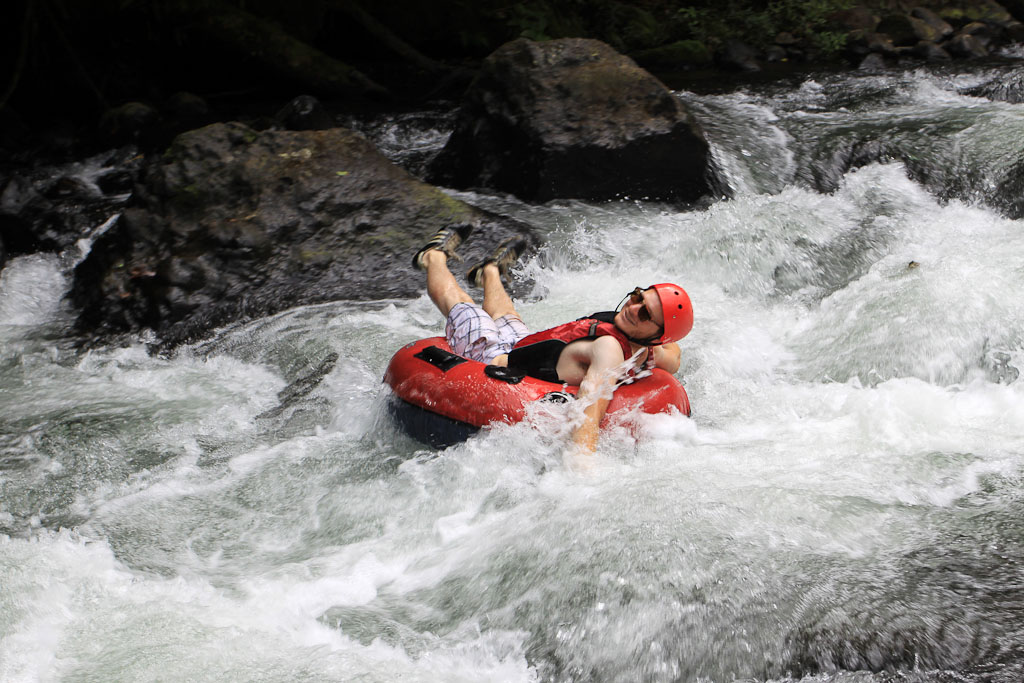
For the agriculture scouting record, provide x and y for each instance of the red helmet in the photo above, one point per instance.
(677, 309)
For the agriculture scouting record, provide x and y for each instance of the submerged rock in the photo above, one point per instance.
(573, 118)
(232, 223)
(873, 62)
(1010, 192)
(1009, 89)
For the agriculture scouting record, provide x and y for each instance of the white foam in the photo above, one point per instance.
(31, 288)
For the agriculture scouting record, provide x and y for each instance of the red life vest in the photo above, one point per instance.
(583, 328)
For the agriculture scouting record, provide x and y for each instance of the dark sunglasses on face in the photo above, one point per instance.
(637, 297)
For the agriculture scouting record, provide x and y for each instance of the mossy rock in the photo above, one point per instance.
(234, 223)
(962, 12)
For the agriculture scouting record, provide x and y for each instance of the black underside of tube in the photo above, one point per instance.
(435, 430)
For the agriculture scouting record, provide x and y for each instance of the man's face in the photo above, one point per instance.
(641, 317)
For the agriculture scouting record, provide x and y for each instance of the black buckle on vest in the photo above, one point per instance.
(504, 374)
(439, 358)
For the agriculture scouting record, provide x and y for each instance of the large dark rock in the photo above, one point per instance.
(232, 223)
(573, 118)
(898, 27)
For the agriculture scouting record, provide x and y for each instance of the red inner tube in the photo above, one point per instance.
(460, 389)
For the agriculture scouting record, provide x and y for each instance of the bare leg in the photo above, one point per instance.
(442, 288)
(496, 300)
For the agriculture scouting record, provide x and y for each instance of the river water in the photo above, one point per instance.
(846, 503)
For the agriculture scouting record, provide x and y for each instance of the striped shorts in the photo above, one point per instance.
(474, 334)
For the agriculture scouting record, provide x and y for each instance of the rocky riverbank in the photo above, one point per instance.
(102, 74)
(235, 219)
(231, 222)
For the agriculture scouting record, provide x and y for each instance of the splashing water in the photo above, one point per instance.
(845, 504)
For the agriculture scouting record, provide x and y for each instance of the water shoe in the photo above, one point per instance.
(503, 256)
(447, 240)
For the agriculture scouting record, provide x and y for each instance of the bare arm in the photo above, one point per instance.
(603, 356)
(667, 357)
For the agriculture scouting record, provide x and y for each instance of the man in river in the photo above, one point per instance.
(590, 352)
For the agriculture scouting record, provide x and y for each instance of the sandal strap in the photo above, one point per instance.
(446, 240)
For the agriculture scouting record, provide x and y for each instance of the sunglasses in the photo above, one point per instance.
(637, 297)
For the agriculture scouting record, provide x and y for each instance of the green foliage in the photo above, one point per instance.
(829, 42)
(681, 52)
(530, 21)
(759, 23)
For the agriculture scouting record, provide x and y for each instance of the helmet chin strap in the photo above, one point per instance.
(649, 341)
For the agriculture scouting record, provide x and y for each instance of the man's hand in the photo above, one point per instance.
(667, 357)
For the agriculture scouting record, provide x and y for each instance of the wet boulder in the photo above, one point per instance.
(987, 35)
(1009, 195)
(572, 118)
(232, 223)
(860, 43)
(937, 28)
(899, 28)
(1010, 89)
(967, 46)
(50, 208)
(964, 11)
(873, 62)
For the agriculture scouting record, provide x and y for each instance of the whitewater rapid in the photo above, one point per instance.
(844, 505)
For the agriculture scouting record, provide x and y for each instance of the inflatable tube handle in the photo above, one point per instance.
(504, 374)
(439, 358)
